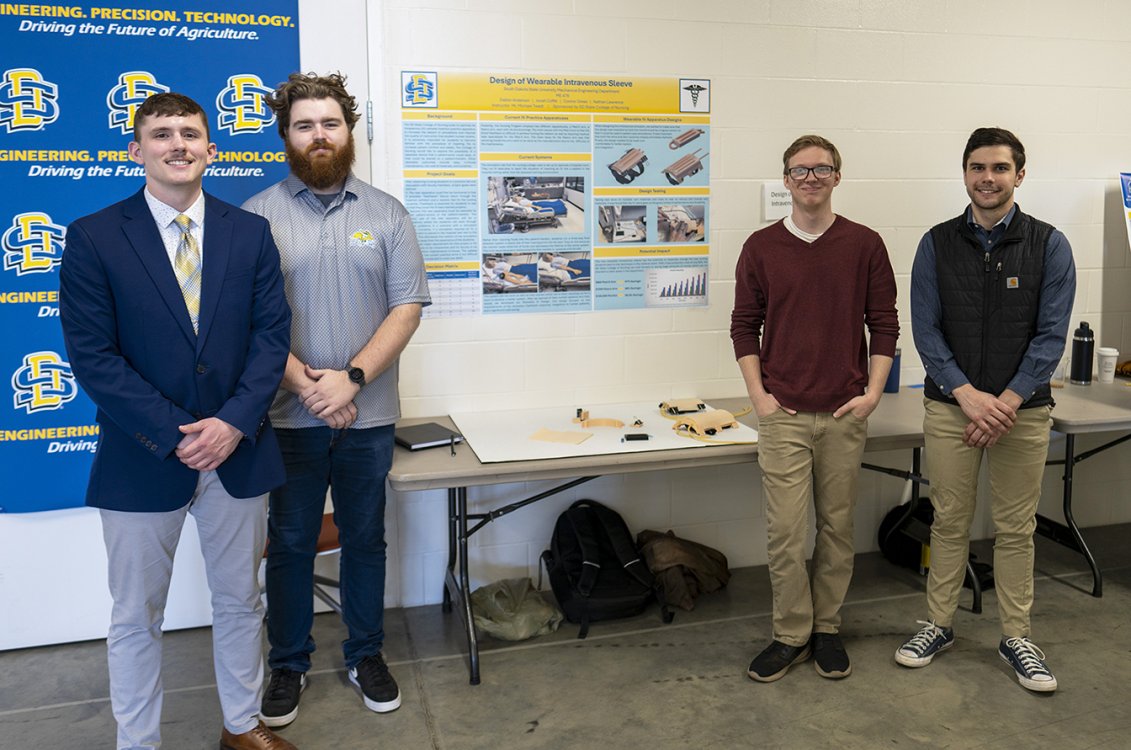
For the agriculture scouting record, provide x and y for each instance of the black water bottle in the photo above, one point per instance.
(1083, 347)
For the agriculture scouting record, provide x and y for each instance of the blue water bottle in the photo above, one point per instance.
(892, 385)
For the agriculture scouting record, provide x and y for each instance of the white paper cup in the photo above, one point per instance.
(1107, 357)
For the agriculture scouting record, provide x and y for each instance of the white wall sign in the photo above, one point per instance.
(777, 203)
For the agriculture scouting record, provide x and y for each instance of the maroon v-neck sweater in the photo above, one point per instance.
(803, 308)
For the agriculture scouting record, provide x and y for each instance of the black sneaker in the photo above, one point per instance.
(280, 700)
(775, 661)
(378, 688)
(831, 660)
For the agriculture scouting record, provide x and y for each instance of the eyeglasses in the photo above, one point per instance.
(821, 172)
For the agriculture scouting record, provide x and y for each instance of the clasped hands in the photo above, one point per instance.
(207, 443)
(328, 395)
(991, 417)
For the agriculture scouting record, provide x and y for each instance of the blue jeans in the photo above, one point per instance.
(353, 464)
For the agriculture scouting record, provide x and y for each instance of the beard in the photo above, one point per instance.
(321, 172)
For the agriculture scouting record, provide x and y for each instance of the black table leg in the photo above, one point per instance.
(1069, 462)
(1068, 533)
(457, 589)
(465, 585)
(447, 602)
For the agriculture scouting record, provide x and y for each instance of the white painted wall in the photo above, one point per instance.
(897, 84)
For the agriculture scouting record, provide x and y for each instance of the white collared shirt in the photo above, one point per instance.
(164, 215)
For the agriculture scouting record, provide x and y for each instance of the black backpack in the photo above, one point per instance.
(904, 531)
(595, 570)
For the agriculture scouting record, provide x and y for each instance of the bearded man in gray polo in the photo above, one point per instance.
(355, 280)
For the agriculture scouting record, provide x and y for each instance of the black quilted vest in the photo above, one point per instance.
(989, 301)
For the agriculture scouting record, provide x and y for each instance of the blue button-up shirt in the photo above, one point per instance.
(1058, 289)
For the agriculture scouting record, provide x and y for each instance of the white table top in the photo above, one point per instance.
(896, 424)
(1099, 407)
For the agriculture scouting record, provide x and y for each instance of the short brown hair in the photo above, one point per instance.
(311, 86)
(983, 137)
(806, 141)
(168, 105)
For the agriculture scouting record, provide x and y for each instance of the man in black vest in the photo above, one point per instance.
(991, 293)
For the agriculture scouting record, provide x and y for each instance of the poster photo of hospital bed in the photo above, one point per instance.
(510, 273)
(533, 272)
(538, 204)
(564, 272)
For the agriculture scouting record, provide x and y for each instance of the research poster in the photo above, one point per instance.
(71, 77)
(558, 192)
(1125, 188)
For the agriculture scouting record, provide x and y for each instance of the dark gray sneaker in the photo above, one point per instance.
(1028, 662)
(378, 688)
(830, 658)
(280, 699)
(775, 661)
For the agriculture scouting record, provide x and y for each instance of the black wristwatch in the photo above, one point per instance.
(357, 376)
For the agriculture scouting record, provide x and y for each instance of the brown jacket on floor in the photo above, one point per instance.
(683, 569)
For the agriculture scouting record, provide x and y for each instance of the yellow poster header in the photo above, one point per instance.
(556, 92)
(441, 174)
(457, 265)
(651, 251)
(631, 191)
(527, 117)
(532, 156)
(655, 119)
(422, 115)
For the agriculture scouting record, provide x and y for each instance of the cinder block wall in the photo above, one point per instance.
(897, 85)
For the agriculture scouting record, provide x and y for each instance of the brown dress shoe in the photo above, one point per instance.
(260, 738)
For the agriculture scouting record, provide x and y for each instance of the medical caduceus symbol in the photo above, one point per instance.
(694, 89)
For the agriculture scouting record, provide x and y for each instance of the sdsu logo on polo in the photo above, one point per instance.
(33, 244)
(243, 105)
(419, 90)
(44, 382)
(123, 100)
(27, 100)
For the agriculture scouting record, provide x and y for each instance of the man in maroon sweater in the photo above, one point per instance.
(805, 290)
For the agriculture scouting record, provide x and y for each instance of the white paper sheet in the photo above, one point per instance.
(498, 436)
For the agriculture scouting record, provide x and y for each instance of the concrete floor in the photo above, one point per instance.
(640, 684)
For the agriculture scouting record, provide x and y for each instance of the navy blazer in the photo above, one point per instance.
(132, 348)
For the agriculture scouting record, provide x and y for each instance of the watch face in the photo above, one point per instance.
(357, 375)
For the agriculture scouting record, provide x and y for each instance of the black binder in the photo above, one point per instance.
(428, 435)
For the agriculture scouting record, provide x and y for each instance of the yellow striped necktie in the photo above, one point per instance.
(186, 264)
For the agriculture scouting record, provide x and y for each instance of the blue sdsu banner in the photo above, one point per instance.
(71, 78)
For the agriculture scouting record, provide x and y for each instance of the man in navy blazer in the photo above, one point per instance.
(177, 327)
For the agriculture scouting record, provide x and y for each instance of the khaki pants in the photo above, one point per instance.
(1016, 468)
(801, 456)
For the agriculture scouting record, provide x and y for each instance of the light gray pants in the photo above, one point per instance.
(140, 549)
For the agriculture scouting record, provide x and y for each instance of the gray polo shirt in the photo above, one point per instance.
(345, 266)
